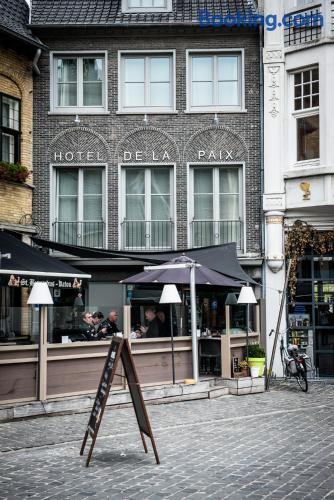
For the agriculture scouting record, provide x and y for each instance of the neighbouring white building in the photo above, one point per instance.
(299, 172)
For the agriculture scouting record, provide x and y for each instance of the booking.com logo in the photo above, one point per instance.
(270, 22)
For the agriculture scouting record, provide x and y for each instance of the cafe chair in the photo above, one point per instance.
(209, 356)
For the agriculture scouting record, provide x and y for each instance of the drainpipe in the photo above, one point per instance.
(35, 61)
(263, 236)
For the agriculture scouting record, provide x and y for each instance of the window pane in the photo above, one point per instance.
(160, 94)
(160, 180)
(203, 181)
(67, 94)
(92, 207)
(134, 69)
(228, 180)
(134, 94)
(10, 113)
(202, 69)
(308, 138)
(92, 182)
(135, 207)
(160, 207)
(229, 206)
(228, 93)
(227, 68)
(203, 206)
(92, 70)
(67, 70)
(8, 148)
(202, 94)
(92, 94)
(160, 69)
(67, 210)
(135, 181)
(68, 182)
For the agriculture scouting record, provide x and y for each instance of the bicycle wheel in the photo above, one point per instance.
(302, 380)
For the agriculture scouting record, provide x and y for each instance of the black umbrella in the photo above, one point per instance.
(183, 270)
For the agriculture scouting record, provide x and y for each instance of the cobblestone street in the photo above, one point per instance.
(275, 445)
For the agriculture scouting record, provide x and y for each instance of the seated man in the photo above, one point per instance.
(152, 328)
(87, 327)
(108, 327)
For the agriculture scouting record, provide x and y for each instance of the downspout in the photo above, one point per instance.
(263, 235)
(35, 61)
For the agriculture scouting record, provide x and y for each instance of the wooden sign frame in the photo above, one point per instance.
(119, 350)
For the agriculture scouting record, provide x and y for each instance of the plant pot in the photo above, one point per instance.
(257, 363)
(254, 371)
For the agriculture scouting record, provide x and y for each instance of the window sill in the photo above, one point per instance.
(77, 112)
(214, 111)
(146, 112)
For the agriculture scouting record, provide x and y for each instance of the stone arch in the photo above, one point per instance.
(81, 140)
(216, 139)
(17, 79)
(148, 140)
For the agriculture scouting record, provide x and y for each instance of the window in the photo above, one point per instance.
(80, 207)
(79, 84)
(306, 107)
(215, 82)
(147, 83)
(147, 5)
(217, 206)
(10, 129)
(148, 208)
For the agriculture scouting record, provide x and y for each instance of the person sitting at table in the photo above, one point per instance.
(109, 325)
(87, 327)
(152, 328)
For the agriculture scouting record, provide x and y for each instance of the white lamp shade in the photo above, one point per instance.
(247, 296)
(40, 294)
(170, 295)
(231, 299)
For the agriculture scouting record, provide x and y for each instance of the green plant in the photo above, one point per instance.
(243, 365)
(13, 172)
(256, 351)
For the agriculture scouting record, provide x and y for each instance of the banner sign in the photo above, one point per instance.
(22, 281)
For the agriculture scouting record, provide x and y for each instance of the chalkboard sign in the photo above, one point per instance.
(119, 349)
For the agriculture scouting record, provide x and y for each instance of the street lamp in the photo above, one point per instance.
(247, 297)
(171, 296)
(40, 295)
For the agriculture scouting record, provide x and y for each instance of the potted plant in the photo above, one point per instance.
(257, 357)
(243, 367)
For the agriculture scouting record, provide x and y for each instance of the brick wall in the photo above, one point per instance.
(16, 201)
(177, 128)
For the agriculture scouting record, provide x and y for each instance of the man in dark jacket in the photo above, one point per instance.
(152, 328)
(87, 327)
(109, 325)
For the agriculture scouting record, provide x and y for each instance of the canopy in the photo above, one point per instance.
(25, 260)
(221, 258)
(203, 275)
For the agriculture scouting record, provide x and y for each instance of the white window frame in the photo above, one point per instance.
(122, 54)
(242, 195)
(301, 113)
(122, 167)
(78, 110)
(54, 168)
(216, 108)
(126, 9)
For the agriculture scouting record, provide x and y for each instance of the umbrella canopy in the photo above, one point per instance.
(203, 275)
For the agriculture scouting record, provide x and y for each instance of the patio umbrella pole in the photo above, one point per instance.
(193, 322)
(172, 337)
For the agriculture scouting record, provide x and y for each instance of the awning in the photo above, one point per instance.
(221, 258)
(28, 263)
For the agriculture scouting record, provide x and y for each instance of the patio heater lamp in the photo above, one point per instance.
(171, 296)
(247, 297)
(40, 295)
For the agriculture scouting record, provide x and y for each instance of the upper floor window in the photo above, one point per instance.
(215, 82)
(79, 83)
(147, 5)
(10, 129)
(306, 111)
(147, 82)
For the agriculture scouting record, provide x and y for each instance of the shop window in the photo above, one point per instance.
(10, 122)
(79, 83)
(215, 82)
(147, 82)
(216, 206)
(80, 207)
(146, 5)
(148, 200)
